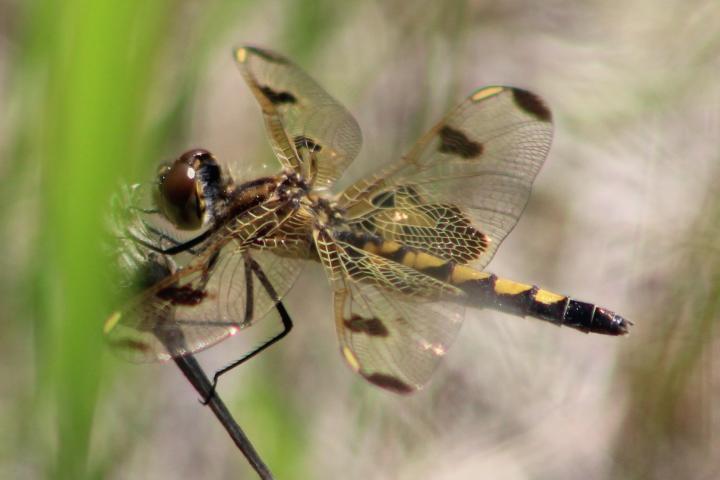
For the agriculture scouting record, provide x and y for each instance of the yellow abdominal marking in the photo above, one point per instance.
(508, 287)
(423, 261)
(370, 247)
(461, 274)
(485, 93)
(351, 359)
(543, 296)
(111, 322)
(389, 247)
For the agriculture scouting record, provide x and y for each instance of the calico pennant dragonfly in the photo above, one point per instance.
(403, 249)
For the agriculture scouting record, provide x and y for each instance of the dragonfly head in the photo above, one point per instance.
(188, 188)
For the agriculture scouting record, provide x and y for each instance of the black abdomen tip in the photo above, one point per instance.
(588, 318)
(610, 323)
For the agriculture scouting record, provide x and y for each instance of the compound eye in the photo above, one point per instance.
(179, 195)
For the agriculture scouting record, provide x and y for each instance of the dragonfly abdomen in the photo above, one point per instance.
(490, 291)
(486, 290)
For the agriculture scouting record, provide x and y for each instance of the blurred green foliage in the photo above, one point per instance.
(99, 59)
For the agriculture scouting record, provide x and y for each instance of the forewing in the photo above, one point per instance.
(463, 186)
(179, 310)
(309, 130)
(188, 310)
(393, 322)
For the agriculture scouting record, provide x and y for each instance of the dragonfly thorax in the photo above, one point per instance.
(326, 212)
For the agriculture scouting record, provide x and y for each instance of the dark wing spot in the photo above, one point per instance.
(370, 326)
(185, 295)
(452, 235)
(303, 142)
(388, 382)
(277, 98)
(456, 142)
(532, 104)
(454, 218)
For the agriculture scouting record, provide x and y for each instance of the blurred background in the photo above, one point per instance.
(625, 213)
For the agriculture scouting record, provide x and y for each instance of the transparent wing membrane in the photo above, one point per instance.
(394, 323)
(461, 189)
(211, 297)
(310, 131)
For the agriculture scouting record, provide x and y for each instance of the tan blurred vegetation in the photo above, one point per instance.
(625, 213)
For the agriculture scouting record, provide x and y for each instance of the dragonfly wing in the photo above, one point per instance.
(309, 130)
(218, 292)
(394, 323)
(461, 189)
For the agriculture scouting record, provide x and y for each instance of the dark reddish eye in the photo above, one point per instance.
(180, 195)
(177, 183)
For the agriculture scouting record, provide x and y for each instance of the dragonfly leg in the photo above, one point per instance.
(162, 236)
(287, 323)
(175, 249)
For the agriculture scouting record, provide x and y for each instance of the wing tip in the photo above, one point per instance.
(486, 92)
(525, 100)
(532, 104)
(382, 380)
(389, 382)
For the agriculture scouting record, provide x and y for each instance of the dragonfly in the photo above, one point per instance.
(404, 249)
